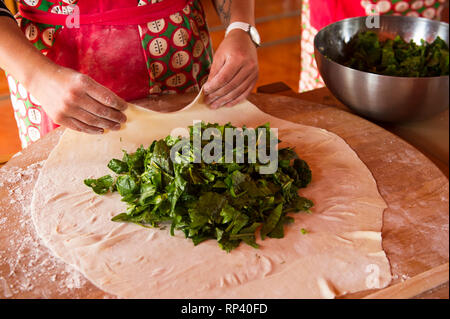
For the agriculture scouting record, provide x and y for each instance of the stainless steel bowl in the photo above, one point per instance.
(380, 97)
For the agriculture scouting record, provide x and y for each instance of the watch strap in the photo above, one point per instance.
(238, 25)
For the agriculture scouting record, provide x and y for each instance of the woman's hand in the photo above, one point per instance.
(76, 101)
(234, 71)
(68, 97)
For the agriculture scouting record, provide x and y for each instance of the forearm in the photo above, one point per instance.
(235, 10)
(17, 55)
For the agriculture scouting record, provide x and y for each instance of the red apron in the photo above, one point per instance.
(324, 12)
(104, 39)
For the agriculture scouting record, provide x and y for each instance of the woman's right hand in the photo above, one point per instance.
(70, 98)
(76, 101)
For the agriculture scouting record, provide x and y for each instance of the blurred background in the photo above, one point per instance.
(278, 23)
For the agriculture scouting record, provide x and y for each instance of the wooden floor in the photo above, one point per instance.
(279, 58)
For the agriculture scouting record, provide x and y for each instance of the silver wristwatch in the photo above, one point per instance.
(251, 30)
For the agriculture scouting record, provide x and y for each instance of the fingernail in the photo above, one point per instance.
(116, 127)
(123, 119)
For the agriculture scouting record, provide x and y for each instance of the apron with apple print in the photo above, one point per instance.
(135, 48)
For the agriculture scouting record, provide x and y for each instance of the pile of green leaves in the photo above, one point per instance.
(227, 202)
(365, 52)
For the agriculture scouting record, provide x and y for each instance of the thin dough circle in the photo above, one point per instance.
(342, 253)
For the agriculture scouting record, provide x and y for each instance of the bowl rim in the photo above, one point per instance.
(316, 49)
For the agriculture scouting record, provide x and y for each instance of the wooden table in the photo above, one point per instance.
(415, 228)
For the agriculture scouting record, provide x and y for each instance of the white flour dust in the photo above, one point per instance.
(25, 262)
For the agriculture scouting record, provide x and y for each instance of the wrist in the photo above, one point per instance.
(33, 80)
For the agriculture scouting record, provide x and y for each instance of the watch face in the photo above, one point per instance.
(255, 35)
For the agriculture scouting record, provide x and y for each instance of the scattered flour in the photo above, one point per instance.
(26, 263)
(405, 277)
(401, 277)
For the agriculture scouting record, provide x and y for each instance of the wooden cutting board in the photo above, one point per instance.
(415, 226)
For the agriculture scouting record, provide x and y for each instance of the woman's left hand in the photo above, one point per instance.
(234, 71)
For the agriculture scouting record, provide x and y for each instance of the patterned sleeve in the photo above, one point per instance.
(4, 10)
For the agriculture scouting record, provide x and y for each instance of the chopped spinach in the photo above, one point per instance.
(101, 185)
(225, 201)
(396, 57)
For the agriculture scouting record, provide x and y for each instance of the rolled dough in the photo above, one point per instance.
(341, 253)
